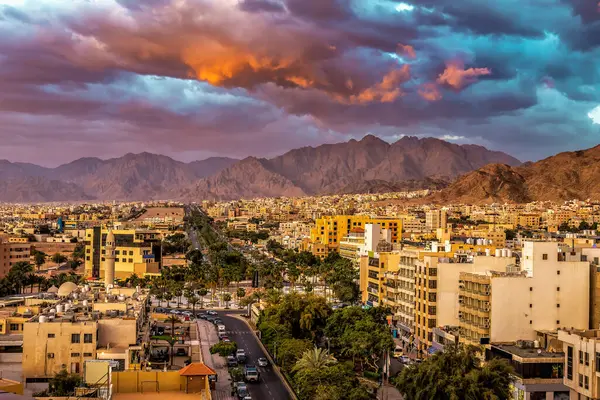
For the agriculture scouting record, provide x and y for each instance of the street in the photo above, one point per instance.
(270, 386)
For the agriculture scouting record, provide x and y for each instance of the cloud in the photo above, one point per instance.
(594, 115)
(430, 92)
(457, 78)
(296, 71)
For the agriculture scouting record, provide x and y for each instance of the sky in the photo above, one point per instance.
(199, 78)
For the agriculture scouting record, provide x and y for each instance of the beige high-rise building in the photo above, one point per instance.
(582, 363)
(12, 251)
(435, 219)
(550, 292)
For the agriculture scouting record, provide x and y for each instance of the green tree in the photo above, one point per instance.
(455, 374)
(314, 359)
(224, 349)
(39, 258)
(226, 298)
(19, 275)
(193, 300)
(63, 384)
(58, 258)
(202, 292)
(78, 252)
(290, 350)
(240, 293)
(172, 319)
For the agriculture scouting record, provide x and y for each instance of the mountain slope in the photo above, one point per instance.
(39, 189)
(247, 178)
(565, 176)
(210, 166)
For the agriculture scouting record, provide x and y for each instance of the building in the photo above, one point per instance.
(582, 363)
(329, 231)
(437, 291)
(77, 329)
(136, 251)
(404, 281)
(361, 242)
(12, 251)
(546, 295)
(537, 372)
(435, 219)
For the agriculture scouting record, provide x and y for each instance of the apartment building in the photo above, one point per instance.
(537, 372)
(329, 231)
(435, 219)
(550, 292)
(77, 329)
(12, 251)
(137, 251)
(437, 291)
(582, 363)
(361, 241)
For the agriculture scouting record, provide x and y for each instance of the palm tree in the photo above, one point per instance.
(193, 300)
(172, 319)
(19, 275)
(202, 292)
(315, 359)
(58, 258)
(240, 292)
(39, 258)
(226, 298)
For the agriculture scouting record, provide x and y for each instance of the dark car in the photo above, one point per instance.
(217, 321)
(231, 361)
(181, 352)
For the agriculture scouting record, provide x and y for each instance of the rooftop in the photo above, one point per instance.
(528, 352)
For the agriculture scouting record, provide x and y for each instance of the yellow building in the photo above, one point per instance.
(329, 231)
(137, 251)
(12, 251)
(529, 220)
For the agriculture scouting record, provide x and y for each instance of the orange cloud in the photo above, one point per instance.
(385, 91)
(430, 92)
(457, 78)
(405, 50)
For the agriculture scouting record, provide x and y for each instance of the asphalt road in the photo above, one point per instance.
(270, 386)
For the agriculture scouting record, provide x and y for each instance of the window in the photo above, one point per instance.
(130, 260)
(87, 258)
(587, 358)
(87, 354)
(130, 252)
(530, 322)
(14, 327)
(544, 256)
(558, 288)
(587, 382)
(51, 335)
(557, 305)
(116, 260)
(50, 355)
(530, 305)
(103, 259)
(75, 354)
(558, 322)
(570, 363)
(75, 338)
(87, 338)
(530, 289)
(580, 357)
(597, 362)
(580, 380)
(557, 272)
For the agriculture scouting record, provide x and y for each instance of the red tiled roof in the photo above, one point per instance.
(196, 369)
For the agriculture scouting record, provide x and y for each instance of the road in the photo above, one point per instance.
(270, 386)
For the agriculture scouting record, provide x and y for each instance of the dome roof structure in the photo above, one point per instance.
(66, 289)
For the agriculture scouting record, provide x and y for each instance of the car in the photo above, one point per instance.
(188, 313)
(217, 321)
(231, 361)
(187, 362)
(251, 373)
(404, 359)
(212, 312)
(242, 393)
(241, 356)
(211, 318)
(263, 362)
(175, 312)
(398, 352)
(225, 339)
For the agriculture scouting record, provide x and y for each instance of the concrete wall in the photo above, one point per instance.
(11, 358)
(117, 332)
(143, 381)
(557, 300)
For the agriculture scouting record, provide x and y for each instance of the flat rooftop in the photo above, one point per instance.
(528, 352)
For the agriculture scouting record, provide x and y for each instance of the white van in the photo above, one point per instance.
(398, 352)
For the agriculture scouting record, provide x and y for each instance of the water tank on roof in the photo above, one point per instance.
(504, 252)
(498, 253)
(67, 307)
(121, 297)
(85, 303)
(488, 252)
(60, 308)
(43, 319)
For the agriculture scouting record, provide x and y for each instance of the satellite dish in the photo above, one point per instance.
(539, 351)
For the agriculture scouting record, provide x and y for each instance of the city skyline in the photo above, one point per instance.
(107, 78)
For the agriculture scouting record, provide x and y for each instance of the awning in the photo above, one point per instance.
(432, 350)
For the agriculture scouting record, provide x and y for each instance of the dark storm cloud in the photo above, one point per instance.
(271, 74)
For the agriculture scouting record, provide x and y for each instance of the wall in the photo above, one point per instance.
(117, 332)
(511, 298)
(141, 381)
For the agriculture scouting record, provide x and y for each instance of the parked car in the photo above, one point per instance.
(242, 393)
(231, 361)
(212, 312)
(217, 321)
(263, 362)
(398, 352)
(404, 360)
(188, 313)
(225, 339)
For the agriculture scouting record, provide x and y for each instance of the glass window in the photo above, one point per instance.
(51, 335)
(87, 338)
(75, 338)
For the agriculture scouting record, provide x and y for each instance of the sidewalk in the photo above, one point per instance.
(389, 392)
(208, 337)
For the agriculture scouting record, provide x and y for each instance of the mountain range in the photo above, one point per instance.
(571, 175)
(367, 165)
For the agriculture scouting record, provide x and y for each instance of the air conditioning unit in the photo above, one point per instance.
(487, 306)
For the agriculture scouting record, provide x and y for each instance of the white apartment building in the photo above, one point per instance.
(360, 242)
(582, 363)
(406, 293)
(551, 291)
